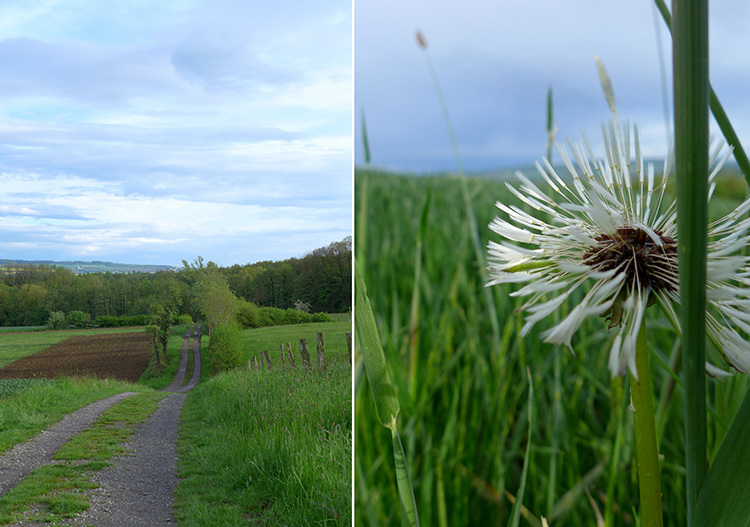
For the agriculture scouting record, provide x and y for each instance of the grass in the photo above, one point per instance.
(464, 392)
(29, 411)
(267, 448)
(55, 491)
(254, 341)
(16, 345)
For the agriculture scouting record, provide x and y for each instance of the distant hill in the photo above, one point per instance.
(81, 267)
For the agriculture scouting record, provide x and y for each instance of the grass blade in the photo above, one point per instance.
(365, 141)
(366, 332)
(550, 125)
(515, 515)
(386, 402)
(725, 497)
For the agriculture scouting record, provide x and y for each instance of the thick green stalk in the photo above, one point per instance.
(691, 98)
(649, 481)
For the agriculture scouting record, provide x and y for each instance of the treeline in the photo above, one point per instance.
(321, 281)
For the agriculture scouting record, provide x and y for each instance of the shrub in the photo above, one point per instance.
(224, 348)
(185, 319)
(78, 319)
(56, 320)
(247, 315)
(321, 317)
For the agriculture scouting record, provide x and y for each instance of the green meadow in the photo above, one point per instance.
(463, 378)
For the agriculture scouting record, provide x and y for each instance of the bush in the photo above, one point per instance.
(78, 319)
(247, 315)
(185, 319)
(322, 317)
(56, 320)
(273, 316)
(224, 348)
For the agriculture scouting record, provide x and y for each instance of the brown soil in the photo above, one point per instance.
(115, 355)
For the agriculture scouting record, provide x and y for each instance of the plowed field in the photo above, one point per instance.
(116, 355)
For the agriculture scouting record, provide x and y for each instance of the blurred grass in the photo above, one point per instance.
(464, 415)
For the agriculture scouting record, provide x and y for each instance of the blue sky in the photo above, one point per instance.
(137, 131)
(496, 61)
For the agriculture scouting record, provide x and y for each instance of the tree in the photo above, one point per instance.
(217, 303)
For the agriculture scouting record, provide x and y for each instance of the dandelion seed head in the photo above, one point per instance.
(605, 233)
(647, 263)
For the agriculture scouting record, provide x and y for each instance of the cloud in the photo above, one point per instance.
(495, 62)
(149, 130)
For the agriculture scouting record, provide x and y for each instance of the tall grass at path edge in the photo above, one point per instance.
(267, 447)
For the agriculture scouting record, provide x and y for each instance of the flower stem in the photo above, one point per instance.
(645, 437)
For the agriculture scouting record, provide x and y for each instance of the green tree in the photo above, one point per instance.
(224, 348)
(163, 316)
(216, 302)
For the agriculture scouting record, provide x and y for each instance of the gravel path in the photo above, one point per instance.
(19, 461)
(138, 490)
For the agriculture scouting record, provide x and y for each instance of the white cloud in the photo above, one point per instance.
(160, 127)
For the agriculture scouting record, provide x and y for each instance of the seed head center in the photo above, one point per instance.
(632, 251)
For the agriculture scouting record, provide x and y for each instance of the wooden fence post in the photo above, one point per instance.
(304, 351)
(320, 352)
(282, 356)
(255, 362)
(268, 358)
(289, 354)
(249, 365)
(349, 345)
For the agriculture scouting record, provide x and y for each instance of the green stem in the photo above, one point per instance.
(691, 98)
(645, 437)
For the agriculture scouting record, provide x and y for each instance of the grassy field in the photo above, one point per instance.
(254, 341)
(267, 447)
(460, 369)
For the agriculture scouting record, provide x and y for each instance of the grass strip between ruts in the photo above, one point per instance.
(55, 491)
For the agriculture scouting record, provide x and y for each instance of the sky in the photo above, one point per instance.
(495, 62)
(147, 132)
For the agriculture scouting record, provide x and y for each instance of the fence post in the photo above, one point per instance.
(255, 362)
(289, 354)
(282, 356)
(349, 346)
(268, 359)
(249, 365)
(305, 352)
(320, 352)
